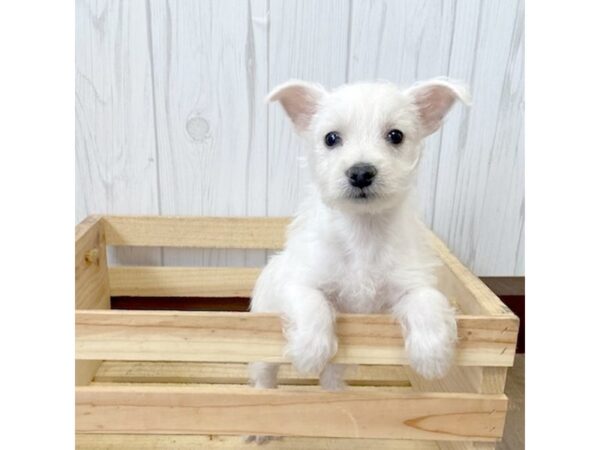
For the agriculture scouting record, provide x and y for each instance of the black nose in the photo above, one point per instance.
(361, 175)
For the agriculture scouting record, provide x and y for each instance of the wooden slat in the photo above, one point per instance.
(473, 296)
(245, 337)
(91, 276)
(244, 410)
(482, 380)
(235, 373)
(460, 379)
(199, 232)
(157, 281)
(284, 387)
(456, 281)
(212, 442)
(91, 281)
(182, 281)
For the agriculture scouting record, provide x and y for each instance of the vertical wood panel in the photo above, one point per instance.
(170, 117)
(209, 79)
(307, 40)
(116, 149)
(478, 203)
(500, 247)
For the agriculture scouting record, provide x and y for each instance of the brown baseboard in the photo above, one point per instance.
(182, 303)
(511, 291)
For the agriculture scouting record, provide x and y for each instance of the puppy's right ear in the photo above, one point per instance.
(433, 100)
(299, 99)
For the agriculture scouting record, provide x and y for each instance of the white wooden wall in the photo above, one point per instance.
(171, 119)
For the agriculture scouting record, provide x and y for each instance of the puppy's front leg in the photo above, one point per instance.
(429, 326)
(310, 328)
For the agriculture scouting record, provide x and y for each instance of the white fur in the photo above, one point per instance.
(359, 255)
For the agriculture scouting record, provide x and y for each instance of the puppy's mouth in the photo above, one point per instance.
(361, 194)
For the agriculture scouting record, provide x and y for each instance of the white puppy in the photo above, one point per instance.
(356, 245)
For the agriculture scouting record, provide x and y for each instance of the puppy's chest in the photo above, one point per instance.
(358, 284)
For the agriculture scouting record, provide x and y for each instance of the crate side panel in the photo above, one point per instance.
(244, 410)
(246, 337)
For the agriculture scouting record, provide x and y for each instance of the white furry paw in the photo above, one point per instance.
(260, 439)
(310, 351)
(431, 351)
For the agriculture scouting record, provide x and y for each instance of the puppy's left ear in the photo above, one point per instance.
(300, 101)
(433, 100)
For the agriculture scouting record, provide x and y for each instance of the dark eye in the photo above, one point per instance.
(332, 139)
(395, 137)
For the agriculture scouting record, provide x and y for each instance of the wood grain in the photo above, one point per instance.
(202, 232)
(170, 118)
(244, 410)
(182, 281)
(472, 295)
(91, 281)
(235, 373)
(455, 280)
(463, 379)
(478, 205)
(116, 148)
(91, 274)
(209, 79)
(245, 337)
(212, 442)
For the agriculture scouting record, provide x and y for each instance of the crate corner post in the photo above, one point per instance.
(91, 281)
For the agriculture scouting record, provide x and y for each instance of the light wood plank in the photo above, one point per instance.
(203, 232)
(91, 274)
(210, 78)
(212, 442)
(116, 152)
(91, 281)
(234, 373)
(220, 387)
(484, 380)
(246, 337)
(244, 410)
(212, 282)
(182, 281)
(466, 445)
(473, 296)
(488, 380)
(479, 198)
(85, 371)
(462, 379)
(455, 280)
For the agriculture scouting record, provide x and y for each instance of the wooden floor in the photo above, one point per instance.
(514, 431)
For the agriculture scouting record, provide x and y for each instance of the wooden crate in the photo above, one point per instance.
(176, 379)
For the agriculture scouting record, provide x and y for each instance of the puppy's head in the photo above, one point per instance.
(366, 137)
